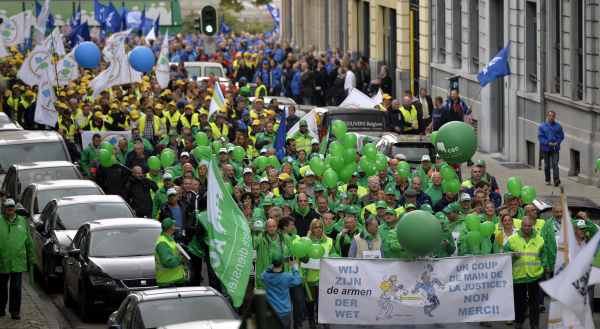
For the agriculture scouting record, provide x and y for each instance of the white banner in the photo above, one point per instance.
(107, 136)
(390, 292)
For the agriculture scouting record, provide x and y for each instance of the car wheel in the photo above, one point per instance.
(84, 306)
(67, 299)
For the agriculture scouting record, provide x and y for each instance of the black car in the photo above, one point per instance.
(54, 229)
(369, 122)
(167, 307)
(107, 260)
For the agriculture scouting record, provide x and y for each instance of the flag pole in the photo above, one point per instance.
(564, 247)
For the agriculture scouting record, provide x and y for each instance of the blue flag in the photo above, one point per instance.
(123, 14)
(76, 19)
(496, 68)
(142, 21)
(100, 11)
(50, 22)
(156, 26)
(274, 11)
(225, 29)
(79, 34)
(112, 21)
(279, 143)
(38, 8)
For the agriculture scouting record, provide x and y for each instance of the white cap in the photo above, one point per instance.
(171, 191)
(314, 141)
(9, 203)
(309, 173)
(167, 176)
(248, 171)
(222, 150)
(465, 197)
(400, 156)
(425, 157)
(263, 150)
(264, 180)
(184, 154)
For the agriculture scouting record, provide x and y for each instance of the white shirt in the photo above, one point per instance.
(349, 81)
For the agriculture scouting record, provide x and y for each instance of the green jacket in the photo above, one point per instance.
(89, 159)
(160, 198)
(392, 248)
(548, 232)
(266, 250)
(445, 250)
(16, 248)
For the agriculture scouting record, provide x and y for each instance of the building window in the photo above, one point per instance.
(555, 45)
(441, 30)
(457, 32)
(531, 62)
(474, 35)
(578, 38)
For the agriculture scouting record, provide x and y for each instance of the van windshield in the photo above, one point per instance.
(31, 152)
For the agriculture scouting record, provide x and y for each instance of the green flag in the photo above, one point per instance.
(229, 239)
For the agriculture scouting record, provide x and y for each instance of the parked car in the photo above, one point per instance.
(216, 324)
(164, 308)
(6, 124)
(107, 260)
(37, 195)
(414, 147)
(21, 146)
(19, 176)
(55, 228)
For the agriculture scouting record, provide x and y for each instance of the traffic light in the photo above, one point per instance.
(209, 20)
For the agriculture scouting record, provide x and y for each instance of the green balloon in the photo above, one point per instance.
(349, 155)
(262, 162)
(107, 146)
(451, 185)
(349, 140)
(201, 139)
(403, 166)
(370, 151)
(239, 153)
(456, 142)
(201, 153)
(448, 172)
(474, 242)
(486, 229)
(339, 129)
(274, 162)
(434, 137)
(514, 186)
(473, 222)
(419, 232)
(336, 148)
(336, 162)
(105, 158)
(167, 157)
(381, 162)
(216, 146)
(528, 194)
(367, 166)
(598, 164)
(316, 251)
(346, 172)
(317, 166)
(330, 178)
(297, 250)
(154, 162)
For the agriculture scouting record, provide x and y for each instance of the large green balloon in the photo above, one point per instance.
(452, 186)
(154, 162)
(381, 162)
(330, 178)
(487, 229)
(201, 139)
(216, 146)
(336, 148)
(370, 151)
(473, 222)
(316, 251)
(434, 137)
(336, 162)
(167, 157)
(239, 153)
(262, 162)
(474, 242)
(403, 166)
(448, 172)
(298, 249)
(419, 232)
(274, 162)
(514, 186)
(107, 146)
(105, 158)
(346, 172)
(528, 194)
(349, 140)
(349, 155)
(339, 129)
(201, 152)
(317, 166)
(456, 142)
(367, 166)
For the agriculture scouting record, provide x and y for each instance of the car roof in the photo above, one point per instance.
(397, 138)
(122, 223)
(172, 293)
(79, 199)
(28, 136)
(7, 124)
(197, 64)
(42, 164)
(64, 183)
(348, 110)
(208, 324)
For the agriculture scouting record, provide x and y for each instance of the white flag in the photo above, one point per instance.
(119, 72)
(217, 101)
(570, 286)
(54, 42)
(378, 98)
(67, 69)
(357, 99)
(150, 36)
(162, 68)
(311, 123)
(17, 28)
(3, 51)
(39, 30)
(37, 67)
(45, 113)
(114, 44)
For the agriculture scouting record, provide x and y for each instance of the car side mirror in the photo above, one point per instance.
(74, 253)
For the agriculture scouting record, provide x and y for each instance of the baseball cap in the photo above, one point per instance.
(167, 176)
(480, 163)
(9, 203)
(410, 194)
(410, 206)
(184, 154)
(400, 156)
(284, 176)
(303, 123)
(222, 150)
(309, 173)
(247, 171)
(263, 150)
(352, 210)
(465, 197)
(390, 211)
(314, 141)
(167, 223)
(319, 188)
(380, 204)
(580, 223)
(425, 157)
(263, 180)
(171, 191)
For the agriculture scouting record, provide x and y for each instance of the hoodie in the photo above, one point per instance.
(278, 286)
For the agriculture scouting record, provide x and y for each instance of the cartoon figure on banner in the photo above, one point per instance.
(390, 289)
(427, 286)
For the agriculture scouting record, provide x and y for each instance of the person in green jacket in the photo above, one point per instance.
(16, 257)
(268, 245)
(549, 233)
(89, 155)
(170, 265)
(435, 188)
(303, 138)
(391, 246)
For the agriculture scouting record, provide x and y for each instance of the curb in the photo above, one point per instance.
(46, 307)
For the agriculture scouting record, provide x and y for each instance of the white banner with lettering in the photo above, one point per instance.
(391, 292)
(107, 136)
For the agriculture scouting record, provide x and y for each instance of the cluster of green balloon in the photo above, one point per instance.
(598, 164)
(302, 247)
(105, 157)
(216, 146)
(167, 157)
(528, 194)
(456, 142)
(330, 178)
(339, 128)
(478, 235)
(403, 169)
(419, 232)
(201, 139)
(154, 163)
(262, 162)
(514, 186)
(341, 158)
(450, 182)
(372, 161)
(238, 153)
(201, 152)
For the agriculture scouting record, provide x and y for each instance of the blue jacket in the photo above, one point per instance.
(265, 76)
(279, 56)
(276, 74)
(296, 84)
(278, 286)
(550, 133)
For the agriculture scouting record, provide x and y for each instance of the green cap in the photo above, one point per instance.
(303, 123)
(352, 209)
(480, 163)
(390, 211)
(340, 208)
(319, 188)
(380, 204)
(427, 207)
(267, 201)
(410, 205)
(579, 223)
(390, 190)
(278, 202)
(453, 207)
(167, 223)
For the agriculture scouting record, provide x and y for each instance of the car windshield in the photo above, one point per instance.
(413, 153)
(28, 176)
(193, 71)
(214, 70)
(165, 312)
(72, 216)
(43, 197)
(124, 242)
(366, 122)
(31, 152)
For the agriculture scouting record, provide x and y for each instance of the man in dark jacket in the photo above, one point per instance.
(455, 108)
(138, 193)
(303, 215)
(180, 212)
(139, 157)
(112, 179)
(307, 79)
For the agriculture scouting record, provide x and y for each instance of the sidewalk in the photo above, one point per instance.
(37, 312)
(535, 178)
